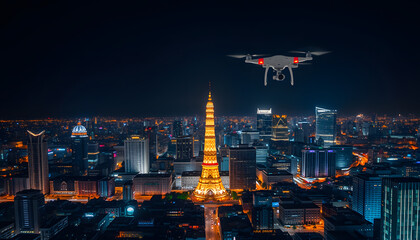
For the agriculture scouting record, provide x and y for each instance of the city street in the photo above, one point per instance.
(212, 223)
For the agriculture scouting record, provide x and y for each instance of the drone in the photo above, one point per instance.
(279, 62)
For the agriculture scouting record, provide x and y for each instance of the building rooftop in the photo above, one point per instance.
(276, 172)
(153, 175)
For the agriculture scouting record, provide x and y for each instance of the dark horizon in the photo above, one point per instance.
(145, 59)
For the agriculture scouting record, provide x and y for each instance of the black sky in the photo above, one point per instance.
(155, 58)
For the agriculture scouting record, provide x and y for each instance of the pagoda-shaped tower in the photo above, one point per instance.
(210, 186)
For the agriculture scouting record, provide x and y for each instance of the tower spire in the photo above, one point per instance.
(209, 90)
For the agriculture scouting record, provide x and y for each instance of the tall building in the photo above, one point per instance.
(249, 137)
(79, 149)
(400, 212)
(177, 129)
(344, 156)
(38, 162)
(242, 167)
(317, 163)
(264, 123)
(28, 204)
(325, 126)
(136, 155)
(279, 128)
(93, 154)
(367, 196)
(210, 185)
(231, 139)
(184, 147)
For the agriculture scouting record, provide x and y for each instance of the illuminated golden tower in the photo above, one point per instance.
(210, 186)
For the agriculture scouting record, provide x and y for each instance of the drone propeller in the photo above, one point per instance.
(245, 55)
(316, 53)
(298, 52)
(319, 53)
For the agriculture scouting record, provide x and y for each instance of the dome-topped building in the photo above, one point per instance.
(79, 131)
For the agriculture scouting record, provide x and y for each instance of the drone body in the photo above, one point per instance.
(278, 63)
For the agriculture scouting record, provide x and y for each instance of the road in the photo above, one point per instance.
(212, 223)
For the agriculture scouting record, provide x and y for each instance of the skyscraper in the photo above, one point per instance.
(325, 126)
(93, 154)
(279, 128)
(318, 163)
(136, 155)
(38, 162)
(249, 137)
(184, 147)
(28, 205)
(79, 149)
(242, 167)
(344, 156)
(367, 196)
(400, 214)
(210, 186)
(264, 123)
(177, 129)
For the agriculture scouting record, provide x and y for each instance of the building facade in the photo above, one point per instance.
(184, 147)
(264, 123)
(242, 167)
(280, 129)
(38, 162)
(136, 155)
(367, 196)
(28, 204)
(325, 126)
(79, 149)
(152, 184)
(400, 209)
(317, 163)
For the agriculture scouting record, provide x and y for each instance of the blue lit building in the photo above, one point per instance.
(401, 209)
(367, 195)
(344, 156)
(325, 126)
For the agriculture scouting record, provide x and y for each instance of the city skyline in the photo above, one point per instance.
(184, 120)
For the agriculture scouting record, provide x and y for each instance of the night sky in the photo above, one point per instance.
(153, 58)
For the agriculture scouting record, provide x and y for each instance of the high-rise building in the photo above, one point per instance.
(231, 139)
(177, 129)
(136, 155)
(128, 191)
(184, 147)
(344, 156)
(28, 204)
(400, 214)
(261, 152)
(325, 126)
(367, 196)
(249, 137)
(280, 129)
(264, 123)
(93, 154)
(79, 149)
(317, 163)
(210, 186)
(242, 167)
(38, 162)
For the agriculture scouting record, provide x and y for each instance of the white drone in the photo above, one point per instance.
(278, 63)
